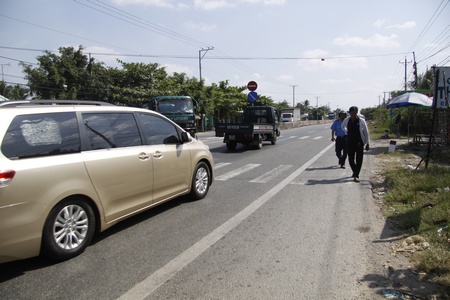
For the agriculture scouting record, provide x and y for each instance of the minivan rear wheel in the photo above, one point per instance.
(200, 181)
(68, 230)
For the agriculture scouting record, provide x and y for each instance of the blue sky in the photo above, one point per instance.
(334, 53)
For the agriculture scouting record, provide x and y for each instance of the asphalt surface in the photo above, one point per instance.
(282, 222)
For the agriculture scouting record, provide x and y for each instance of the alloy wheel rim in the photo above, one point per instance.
(70, 227)
(201, 182)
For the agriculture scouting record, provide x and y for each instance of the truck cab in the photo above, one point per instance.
(287, 117)
(260, 123)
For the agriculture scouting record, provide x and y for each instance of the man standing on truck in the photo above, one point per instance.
(341, 139)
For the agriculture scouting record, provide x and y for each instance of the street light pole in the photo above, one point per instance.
(200, 56)
(293, 95)
(317, 109)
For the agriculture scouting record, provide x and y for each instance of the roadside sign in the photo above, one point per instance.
(252, 86)
(252, 97)
(443, 88)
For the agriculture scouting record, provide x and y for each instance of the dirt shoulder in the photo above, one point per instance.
(390, 274)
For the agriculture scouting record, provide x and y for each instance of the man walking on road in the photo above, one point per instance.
(341, 138)
(357, 137)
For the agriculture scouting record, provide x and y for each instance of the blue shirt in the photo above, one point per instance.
(336, 126)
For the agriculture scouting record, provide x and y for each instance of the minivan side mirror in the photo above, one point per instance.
(185, 137)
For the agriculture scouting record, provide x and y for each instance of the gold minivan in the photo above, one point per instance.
(69, 169)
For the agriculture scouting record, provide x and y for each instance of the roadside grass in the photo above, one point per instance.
(418, 203)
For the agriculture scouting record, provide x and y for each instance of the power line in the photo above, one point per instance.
(136, 21)
(428, 25)
(223, 57)
(61, 32)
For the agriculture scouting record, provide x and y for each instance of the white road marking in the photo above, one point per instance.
(271, 174)
(303, 137)
(220, 165)
(161, 276)
(318, 137)
(237, 172)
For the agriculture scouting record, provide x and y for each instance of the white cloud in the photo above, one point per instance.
(172, 68)
(285, 78)
(336, 81)
(406, 25)
(158, 3)
(377, 40)
(217, 4)
(266, 2)
(200, 26)
(257, 76)
(382, 23)
(213, 4)
(379, 23)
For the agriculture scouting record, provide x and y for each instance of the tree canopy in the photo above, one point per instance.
(71, 74)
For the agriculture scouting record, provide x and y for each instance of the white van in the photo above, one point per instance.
(287, 117)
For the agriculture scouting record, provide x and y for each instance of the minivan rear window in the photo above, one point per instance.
(42, 135)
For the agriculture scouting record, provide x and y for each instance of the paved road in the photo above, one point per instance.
(283, 222)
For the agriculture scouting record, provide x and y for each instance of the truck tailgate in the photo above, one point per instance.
(233, 128)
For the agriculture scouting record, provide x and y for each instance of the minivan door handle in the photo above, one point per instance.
(143, 156)
(157, 154)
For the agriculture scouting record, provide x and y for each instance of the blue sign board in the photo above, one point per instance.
(252, 96)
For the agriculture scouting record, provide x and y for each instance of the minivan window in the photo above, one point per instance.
(111, 130)
(42, 135)
(157, 130)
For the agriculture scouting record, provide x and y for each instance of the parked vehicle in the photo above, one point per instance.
(180, 109)
(295, 114)
(287, 117)
(260, 123)
(72, 168)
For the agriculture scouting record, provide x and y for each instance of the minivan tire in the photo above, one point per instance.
(68, 230)
(201, 181)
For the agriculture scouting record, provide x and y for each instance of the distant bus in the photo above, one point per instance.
(331, 116)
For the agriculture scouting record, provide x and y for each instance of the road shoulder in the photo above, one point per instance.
(389, 274)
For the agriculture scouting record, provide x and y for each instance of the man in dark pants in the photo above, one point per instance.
(357, 137)
(341, 139)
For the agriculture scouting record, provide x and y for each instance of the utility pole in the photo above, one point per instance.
(293, 95)
(3, 75)
(384, 97)
(415, 70)
(317, 109)
(379, 100)
(200, 56)
(406, 75)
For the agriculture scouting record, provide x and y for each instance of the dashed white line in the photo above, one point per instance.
(237, 172)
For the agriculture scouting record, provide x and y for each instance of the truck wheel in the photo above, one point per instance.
(274, 139)
(260, 142)
(232, 145)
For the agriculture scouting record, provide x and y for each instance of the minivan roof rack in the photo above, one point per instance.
(15, 103)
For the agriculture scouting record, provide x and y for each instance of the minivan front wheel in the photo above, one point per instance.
(200, 181)
(68, 230)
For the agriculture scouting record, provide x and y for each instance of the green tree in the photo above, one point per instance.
(136, 82)
(13, 92)
(68, 75)
(282, 105)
